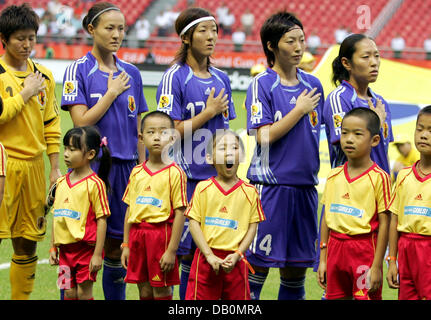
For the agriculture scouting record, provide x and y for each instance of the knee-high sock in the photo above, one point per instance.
(114, 287)
(292, 289)
(256, 282)
(22, 275)
(185, 272)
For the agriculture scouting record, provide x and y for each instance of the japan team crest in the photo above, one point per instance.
(385, 130)
(226, 114)
(131, 103)
(313, 117)
(41, 98)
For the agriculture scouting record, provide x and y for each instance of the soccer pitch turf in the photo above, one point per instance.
(46, 276)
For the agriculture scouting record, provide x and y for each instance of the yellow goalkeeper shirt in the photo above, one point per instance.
(27, 130)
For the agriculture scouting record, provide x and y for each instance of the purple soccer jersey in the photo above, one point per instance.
(294, 158)
(85, 84)
(183, 95)
(340, 101)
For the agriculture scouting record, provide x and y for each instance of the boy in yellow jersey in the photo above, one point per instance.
(355, 223)
(3, 161)
(157, 198)
(224, 213)
(29, 125)
(410, 228)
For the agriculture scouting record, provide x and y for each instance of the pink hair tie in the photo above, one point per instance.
(104, 142)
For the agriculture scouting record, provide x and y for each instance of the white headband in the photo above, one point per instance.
(194, 22)
(100, 12)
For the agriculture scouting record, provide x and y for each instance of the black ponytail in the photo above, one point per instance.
(88, 138)
(339, 73)
(105, 167)
(347, 49)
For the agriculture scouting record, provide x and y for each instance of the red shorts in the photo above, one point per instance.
(348, 260)
(414, 266)
(74, 262)
(148, 242)
(204, 284)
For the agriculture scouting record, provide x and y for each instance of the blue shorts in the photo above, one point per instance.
(118, 178)
(187, 245)
(288, 236)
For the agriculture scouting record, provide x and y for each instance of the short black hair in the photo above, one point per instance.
(273, 30)
(156, 113)
(424, 110)
(372, 119)
(15, 18)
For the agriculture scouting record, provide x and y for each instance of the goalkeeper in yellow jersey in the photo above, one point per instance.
(29, 125)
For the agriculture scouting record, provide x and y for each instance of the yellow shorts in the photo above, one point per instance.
(22, 209)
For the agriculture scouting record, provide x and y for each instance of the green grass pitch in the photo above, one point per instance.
(46, 276)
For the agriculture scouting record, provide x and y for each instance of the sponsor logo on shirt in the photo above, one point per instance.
(150, 201)
(220, 222)
(337, 118)
(156, 278)
(351, 211)
(346, 196)
(70, 88)
(223, 210)
(418, 197)
(256, 112)
(67, 213)
(417, 211)
(165, 103)
(292, 101)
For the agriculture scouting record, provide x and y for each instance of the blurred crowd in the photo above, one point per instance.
(62, 23)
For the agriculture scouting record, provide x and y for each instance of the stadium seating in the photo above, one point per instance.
(132, 9)
(323, 16)
(411, 21)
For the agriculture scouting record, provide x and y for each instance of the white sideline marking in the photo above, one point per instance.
(7, 265)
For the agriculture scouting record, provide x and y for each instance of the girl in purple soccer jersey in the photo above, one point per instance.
(356, 66)
(198, 97)
(102, 90)
(284, 111)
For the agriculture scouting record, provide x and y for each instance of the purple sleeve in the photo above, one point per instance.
(73, 87)
(334, 109)
(259, 105)
(169, 95)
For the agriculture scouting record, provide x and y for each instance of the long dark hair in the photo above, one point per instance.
(347, 49)
(182, 21)
(88, 138)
